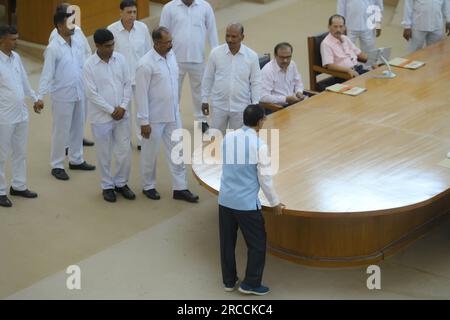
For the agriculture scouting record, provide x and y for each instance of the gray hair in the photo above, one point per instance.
(157, 33)
(237, 25)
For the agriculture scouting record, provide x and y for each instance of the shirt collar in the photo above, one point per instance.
(97, 58)
(248, 130)
(5, 58)
(336, 40)
(61, 40)
(122, 28)
(227, 49)
(180, 3)
(277, 67)
(156, 56)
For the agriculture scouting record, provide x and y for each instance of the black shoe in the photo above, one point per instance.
(126, 192)
(60, 174)
(109, 195)
(84, 166)
(152, 194)
(88, 143)
(24, 194)
(5, 202)
(185, 195)
(205, 127)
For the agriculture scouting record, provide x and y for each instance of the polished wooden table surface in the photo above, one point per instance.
(367, 156)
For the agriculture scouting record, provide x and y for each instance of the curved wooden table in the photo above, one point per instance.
(360, 175)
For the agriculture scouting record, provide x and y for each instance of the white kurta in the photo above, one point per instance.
(426, 18)
(231, 82)
(190, 26)
(62, 77)
(108, 85)
(158, 105)
(357, 14)
(133, 45)
(14, 87)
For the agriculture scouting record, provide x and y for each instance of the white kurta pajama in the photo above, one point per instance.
(133, 45)
(231, 82)
(426, 18)
(357, 17)
(87, 53)
(158, 106)
(190, 26)
(108, 85)
(62, 77)
(14, 87)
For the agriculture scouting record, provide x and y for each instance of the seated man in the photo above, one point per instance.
(281, 82)
(338, 52)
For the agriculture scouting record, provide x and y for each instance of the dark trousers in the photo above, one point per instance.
(253, 229)
(360, 69)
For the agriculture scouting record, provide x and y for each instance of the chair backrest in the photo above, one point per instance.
(264, 59)
(315, 58)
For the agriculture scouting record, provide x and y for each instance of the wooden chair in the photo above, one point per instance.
(316, 68)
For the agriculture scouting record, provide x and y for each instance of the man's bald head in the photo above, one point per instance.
(236, 26)
(234, 36)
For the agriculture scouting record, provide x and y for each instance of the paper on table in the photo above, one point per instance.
(346, 89)
(406, 63)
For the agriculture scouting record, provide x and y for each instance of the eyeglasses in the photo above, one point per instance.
(165, 42)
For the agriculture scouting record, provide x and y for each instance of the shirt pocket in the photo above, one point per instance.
(138, 46)
(118, 74)
(243, 70)
(198, 20)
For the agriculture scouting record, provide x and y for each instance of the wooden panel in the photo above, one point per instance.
(35, 18)
(360, 175)
(8, 10)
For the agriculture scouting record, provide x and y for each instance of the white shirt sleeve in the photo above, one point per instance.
(26, 84)
(341, 4)
(380, 4)
(265, 176)
(255, 81)
(407, 14)
(447, 10)
(208, 79)
(87, 47)
(267, 86)
(148, 40)
(212, 28)
(92, 91)
(299, 87)
(128, 91)
(143, 78)
(48, 72)
(164, 20)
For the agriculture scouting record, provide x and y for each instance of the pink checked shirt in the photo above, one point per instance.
(333, 51)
